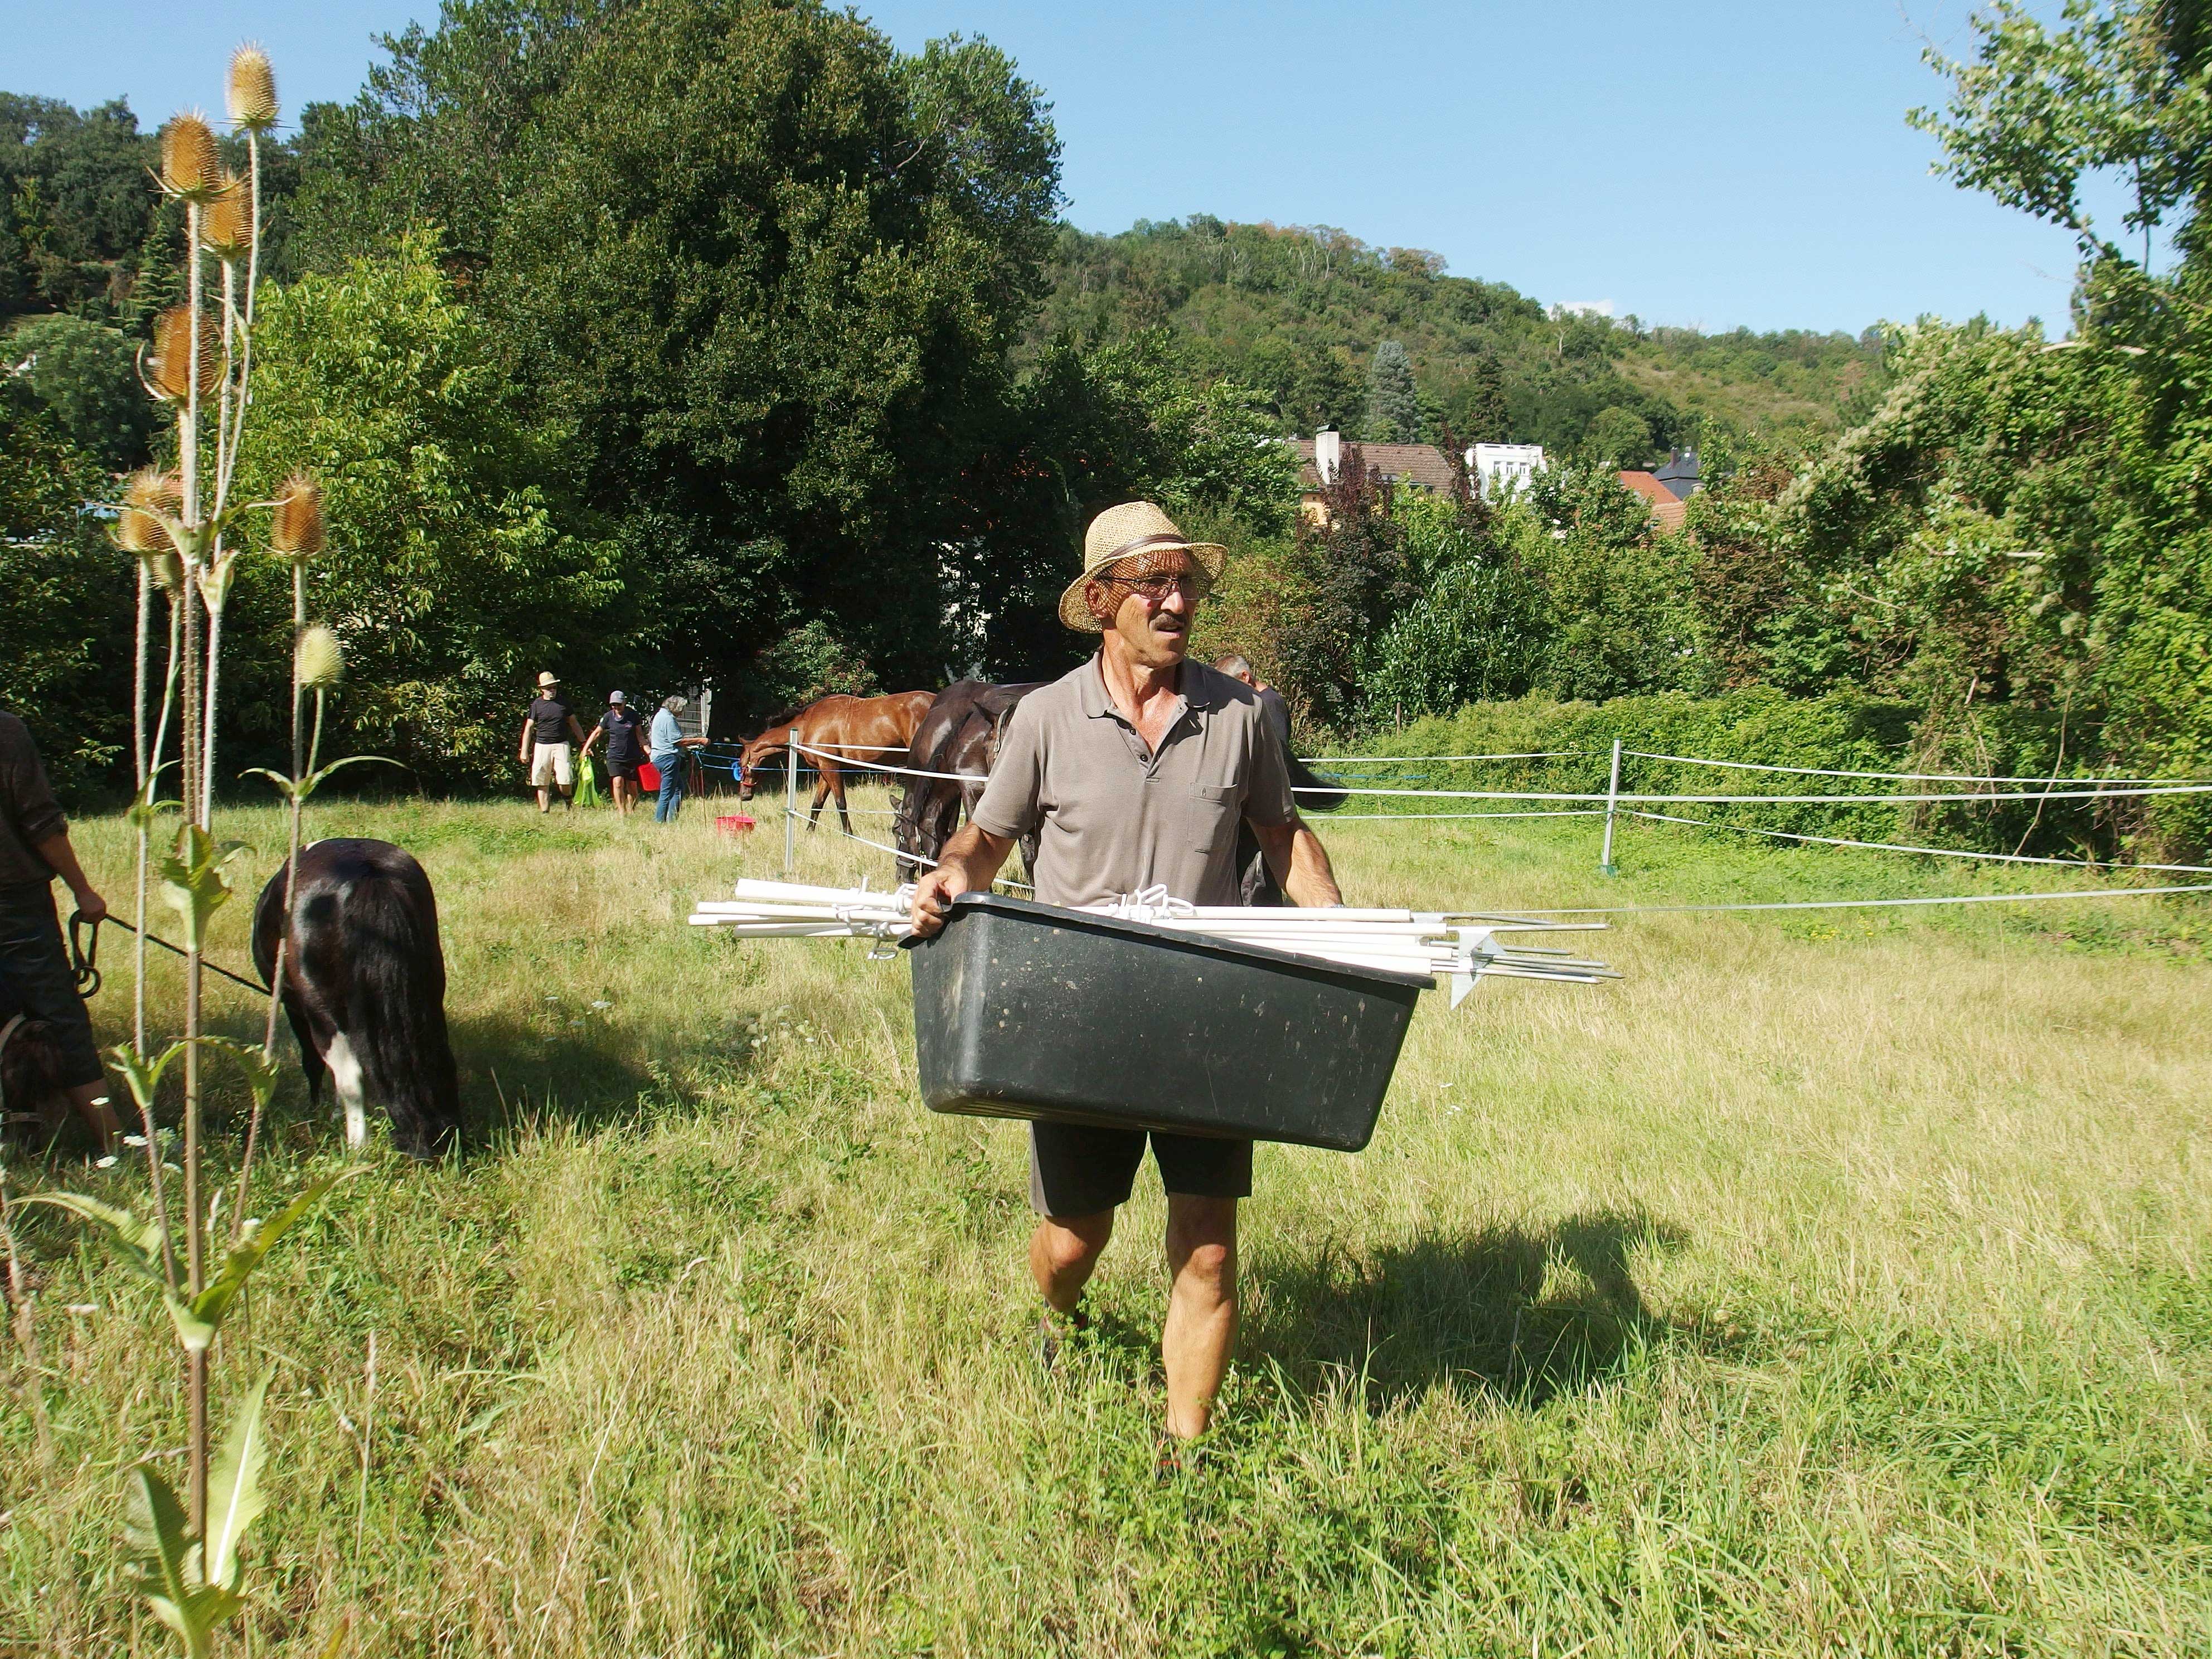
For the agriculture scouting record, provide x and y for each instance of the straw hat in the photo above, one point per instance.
(546, 681)
(1120, 532)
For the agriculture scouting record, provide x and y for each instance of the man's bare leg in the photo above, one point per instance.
(1201, 1328)
(1064, 1251)
(544, 800)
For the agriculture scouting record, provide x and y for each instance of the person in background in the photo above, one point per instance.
(1238, 667)
(625, 749)
(668, 746)
(546, 747)
(34, 848)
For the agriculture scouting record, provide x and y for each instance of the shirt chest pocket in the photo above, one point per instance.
(1214, 810)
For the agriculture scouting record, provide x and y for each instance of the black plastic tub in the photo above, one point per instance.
(1024, 1010)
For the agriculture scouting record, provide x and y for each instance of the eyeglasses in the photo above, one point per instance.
(1192, 583)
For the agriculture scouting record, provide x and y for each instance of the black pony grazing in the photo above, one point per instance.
(365, 988)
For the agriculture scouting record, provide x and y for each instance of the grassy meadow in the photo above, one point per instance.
(1836, 1282)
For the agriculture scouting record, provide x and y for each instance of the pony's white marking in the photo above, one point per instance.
(345, 1072)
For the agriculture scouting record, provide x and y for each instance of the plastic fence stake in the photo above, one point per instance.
(790, 804)
(1612, 802)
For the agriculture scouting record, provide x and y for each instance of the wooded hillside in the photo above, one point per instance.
(1298, 314)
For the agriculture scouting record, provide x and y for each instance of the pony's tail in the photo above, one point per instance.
(397, 1006)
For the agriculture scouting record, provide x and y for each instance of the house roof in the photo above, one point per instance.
(1424, 465)
(1667, 510)
(1679, 474)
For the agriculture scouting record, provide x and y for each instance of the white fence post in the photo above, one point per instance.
(790, 799)
(1612, 801)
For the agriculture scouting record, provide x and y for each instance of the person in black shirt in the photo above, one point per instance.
(625, 749)
(546, 749)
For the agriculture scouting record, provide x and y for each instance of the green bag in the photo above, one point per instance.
(587, 782)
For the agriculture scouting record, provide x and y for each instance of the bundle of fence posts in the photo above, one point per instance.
(1454, 947)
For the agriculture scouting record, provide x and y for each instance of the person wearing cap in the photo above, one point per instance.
(625, 749)
(551, 738)
(1133, 771)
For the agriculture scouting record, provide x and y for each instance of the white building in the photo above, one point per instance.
(1504, 465)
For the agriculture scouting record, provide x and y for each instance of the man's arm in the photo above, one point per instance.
(56, 850)
(970, 860)
(522, 743)
(575, 730)
(1300, 862)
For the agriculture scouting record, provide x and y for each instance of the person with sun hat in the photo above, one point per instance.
(1134, 771)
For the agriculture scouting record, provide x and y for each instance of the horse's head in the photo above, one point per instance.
(756, 749)
(33, 1105)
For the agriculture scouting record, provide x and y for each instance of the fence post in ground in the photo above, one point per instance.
(1612, 802)
(791, 798)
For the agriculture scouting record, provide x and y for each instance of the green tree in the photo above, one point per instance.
(771, 272)
(1622, 621)
(1393, 404)
(1617, 438)
(457, 567)
(1479, 630)
(65, 613)
(87, 373)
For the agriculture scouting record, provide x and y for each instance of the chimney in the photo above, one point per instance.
(1329, 453)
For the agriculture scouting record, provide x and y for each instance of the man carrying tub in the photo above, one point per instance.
(1134, 771)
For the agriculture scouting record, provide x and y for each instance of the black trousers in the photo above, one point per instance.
(35, 964)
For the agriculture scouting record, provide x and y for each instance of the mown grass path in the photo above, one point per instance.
(1835, 1283)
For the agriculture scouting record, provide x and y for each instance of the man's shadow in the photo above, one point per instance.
(1522, 1314)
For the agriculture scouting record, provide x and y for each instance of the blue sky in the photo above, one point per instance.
(1714, 163)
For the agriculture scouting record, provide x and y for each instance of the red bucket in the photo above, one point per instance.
(733, 823)
(648, 777)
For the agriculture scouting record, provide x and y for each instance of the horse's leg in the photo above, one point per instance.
(826, 781)
(345, 1071)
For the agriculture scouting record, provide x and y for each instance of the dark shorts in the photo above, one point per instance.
(36, 965)
(623, 768)
(1076, 1169)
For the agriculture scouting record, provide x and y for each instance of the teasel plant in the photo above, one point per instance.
(186, 534)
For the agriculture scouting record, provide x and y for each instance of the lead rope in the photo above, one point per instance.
(84, 958)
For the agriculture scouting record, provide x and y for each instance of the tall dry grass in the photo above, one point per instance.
(1836, 1282)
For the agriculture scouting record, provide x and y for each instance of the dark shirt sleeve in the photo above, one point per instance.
(1267, 798)
(27, 805)
(1010, 804)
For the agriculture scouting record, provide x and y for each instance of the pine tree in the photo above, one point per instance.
(1393, 407)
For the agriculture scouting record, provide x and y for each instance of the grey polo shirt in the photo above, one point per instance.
(1111, 818)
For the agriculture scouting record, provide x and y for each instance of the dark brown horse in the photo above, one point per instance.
(838, 734)
(365, 988)
(961, 736)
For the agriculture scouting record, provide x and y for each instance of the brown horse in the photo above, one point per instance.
(837, 734)
(960, 736)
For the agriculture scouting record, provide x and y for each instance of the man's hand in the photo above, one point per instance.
(90, 905)
(937, 888)
(971, 859)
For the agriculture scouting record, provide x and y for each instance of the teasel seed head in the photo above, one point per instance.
(252, 89)
(229, 227)
(170, 367)
(296, 531)
(191, 168)
(319, 660)
(147, 493)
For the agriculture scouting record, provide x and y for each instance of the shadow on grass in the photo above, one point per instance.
(588, 1076)
(1526, 1316)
